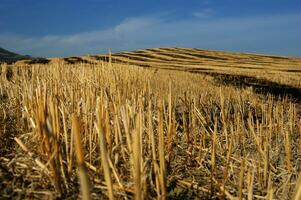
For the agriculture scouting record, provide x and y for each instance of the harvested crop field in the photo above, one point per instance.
(164, 123)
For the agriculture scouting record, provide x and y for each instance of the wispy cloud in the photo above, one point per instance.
(277, 34)
(203, 14)
(121, 36)
(135, 24)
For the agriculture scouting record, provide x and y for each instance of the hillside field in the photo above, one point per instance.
(162, 123)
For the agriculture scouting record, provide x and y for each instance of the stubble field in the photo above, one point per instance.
(161, 123)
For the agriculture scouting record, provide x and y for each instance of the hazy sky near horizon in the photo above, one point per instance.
(79, 27)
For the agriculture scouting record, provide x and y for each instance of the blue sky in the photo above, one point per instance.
(79, 27)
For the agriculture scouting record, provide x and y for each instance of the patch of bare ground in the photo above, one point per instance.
(8, 130)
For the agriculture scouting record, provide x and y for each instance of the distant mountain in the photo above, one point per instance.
(10, 57)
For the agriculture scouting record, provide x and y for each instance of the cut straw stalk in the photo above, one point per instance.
(137, 159)
(161, 153)
(48, 137)
(213, 152)
(104, 136)
(82, 171)
(297, 194)
(152, 147)
(170, 125)
(287, 147)
(241, 179)
(229, 150)
(250, 183)
(104, 161)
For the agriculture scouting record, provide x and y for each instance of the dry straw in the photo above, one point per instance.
(145, 133)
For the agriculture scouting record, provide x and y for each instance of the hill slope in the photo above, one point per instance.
(198, 60)
(215, 63)
(191, 60)
(9, 57)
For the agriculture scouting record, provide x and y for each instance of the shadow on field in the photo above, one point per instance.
(260, 86)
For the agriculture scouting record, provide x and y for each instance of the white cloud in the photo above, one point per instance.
(135, 24)
(205, 13)
(277, 34)
(118, 37)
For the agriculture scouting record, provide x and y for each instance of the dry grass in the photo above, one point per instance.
(117, 131)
